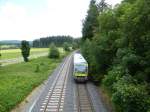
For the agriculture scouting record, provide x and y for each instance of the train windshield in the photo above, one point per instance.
(81, 68)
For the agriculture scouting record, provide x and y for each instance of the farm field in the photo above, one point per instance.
(16, 53)
(18, 80)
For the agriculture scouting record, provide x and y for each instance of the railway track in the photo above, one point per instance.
(54, 100)
(62, 94)
(83, 99)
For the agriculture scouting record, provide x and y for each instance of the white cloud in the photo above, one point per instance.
(12, 11)
(59, 17)
(12, 21)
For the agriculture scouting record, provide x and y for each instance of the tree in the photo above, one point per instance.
(57, 40)
(130, 1)
(74, 45)
(25, 50)
(66, 46)
(119, 52)
(53, 52)
(102, 6)
(90, 23)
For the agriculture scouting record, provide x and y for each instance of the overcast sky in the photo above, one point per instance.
(30, 19)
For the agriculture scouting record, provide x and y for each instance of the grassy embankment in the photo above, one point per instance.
(15, 53)
(18, 80)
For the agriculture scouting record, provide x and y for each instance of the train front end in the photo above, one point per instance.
(80, 68)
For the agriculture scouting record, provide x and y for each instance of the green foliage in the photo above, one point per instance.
(54, 52)
(85, 49)
(138, 18)
(118, 50)
(130, 97)
(102, 6)
(37, 69)
(66, 46)
(75, 45)
(57, 40)
(25, 50)
(18, 80)
(103, 47)
(130, 1)
(87, 53)
(131, 62)
(108, 23)
(90, 23)
(113, 76)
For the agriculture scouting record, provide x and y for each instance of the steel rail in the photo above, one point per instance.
(66, 63)
(65, 82)
(84, 102)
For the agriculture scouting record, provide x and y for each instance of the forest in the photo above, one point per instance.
(57, 40)
(116, 44)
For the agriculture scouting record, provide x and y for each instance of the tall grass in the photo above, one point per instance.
(18, 80)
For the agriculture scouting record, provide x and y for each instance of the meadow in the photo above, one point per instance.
(18, 80)
(16, 53)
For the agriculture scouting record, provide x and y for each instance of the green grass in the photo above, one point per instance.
(8, 46)
(18, 80)
(15, 53)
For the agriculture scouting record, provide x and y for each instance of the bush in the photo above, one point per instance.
(66, 46)
(74, 45)
(54, 52)
(112, 77)
(131, 61)
(37, 69)
(130, 97)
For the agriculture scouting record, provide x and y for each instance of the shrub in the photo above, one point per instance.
(131, 61)
(74, 45)
(130, 97)
(37, 69)
(113, 76)
(54, 52)
(66, 46)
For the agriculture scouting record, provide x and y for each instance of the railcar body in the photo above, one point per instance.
(80, 71)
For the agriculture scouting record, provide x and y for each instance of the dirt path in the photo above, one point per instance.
(20, 59)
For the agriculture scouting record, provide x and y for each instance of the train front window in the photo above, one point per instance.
(81, 69)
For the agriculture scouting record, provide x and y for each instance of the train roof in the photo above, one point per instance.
(78, 58)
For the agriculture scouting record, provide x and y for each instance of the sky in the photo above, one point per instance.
(31, 19)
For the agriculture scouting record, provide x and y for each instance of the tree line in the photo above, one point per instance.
(67, 42)
(57, 40)
(116, 44)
